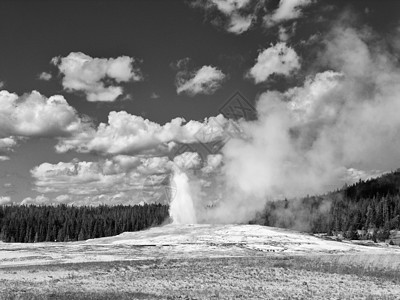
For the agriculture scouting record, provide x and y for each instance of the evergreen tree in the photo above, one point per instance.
(67, 223)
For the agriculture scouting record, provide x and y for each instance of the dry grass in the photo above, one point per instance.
(383, 266)
(272, 277)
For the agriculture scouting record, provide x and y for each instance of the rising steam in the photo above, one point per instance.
(181, 207)
(308, 138)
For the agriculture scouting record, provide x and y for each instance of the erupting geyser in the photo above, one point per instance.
(181, 208)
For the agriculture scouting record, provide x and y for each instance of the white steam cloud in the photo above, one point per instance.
(311, 138)
(307, 138)
(182, 210)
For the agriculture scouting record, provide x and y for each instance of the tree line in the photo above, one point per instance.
(62, 223)
(371, 206)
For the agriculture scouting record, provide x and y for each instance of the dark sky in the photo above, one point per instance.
(154, 31)
(157, 33)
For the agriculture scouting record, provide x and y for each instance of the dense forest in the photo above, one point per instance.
(69, 223)
(368, 209)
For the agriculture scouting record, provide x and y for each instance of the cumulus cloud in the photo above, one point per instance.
(45, 76)
(38, 200)
(36, 115)
(63, 199)
(239, 16)
(154, 165)
(287, 10)
(7, 143)
(81, 178)
(129, 134)
(236, 16)
(5, 200)
(121, 179)
(187, 160)
(230, 6)
(239, 24)
(99, 78)
(118, 180)
(278, 59)
(206, 80)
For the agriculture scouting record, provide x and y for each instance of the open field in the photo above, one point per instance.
(200, 262)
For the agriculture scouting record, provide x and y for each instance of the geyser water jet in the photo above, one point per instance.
(181, 208)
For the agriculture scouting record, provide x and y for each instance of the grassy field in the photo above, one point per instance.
(344, 276)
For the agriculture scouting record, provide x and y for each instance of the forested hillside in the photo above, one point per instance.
(372, 206)
(68, 223)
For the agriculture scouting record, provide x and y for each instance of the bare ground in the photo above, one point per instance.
(172, 264)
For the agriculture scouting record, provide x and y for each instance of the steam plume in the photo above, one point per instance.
(181, 208)
(307, 139)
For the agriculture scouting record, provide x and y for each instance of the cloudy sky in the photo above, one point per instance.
(277, 97)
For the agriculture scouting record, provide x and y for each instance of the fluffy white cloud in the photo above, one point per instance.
(7, 143)
(154, 165)
(38, 200)
(129, 134)
(45, 76)
(206, 80)
(63, 199)
(120, 180)
(238, 15)
(187, 160)
(278, 59)
(82, 178)
(126, 163)
(287, 10)
(35, 115)
(230, 6)
(5, 200)
(86, 74)
(239, 24)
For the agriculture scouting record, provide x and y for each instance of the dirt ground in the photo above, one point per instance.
(269, 277)
(200, 262)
